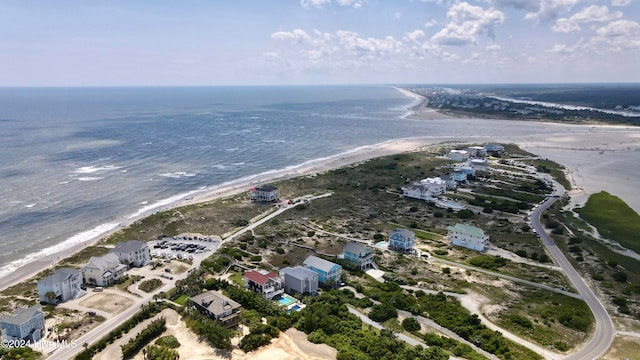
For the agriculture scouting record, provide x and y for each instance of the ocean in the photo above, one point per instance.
(76, 162)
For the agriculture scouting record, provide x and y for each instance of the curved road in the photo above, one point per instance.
(604, 330)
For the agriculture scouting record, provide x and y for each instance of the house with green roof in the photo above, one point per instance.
(468, 236)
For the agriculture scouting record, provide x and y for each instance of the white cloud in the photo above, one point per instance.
(430, 23)
(565, 25)
(414, 36)
(549, 10)
(321, 3)
(620, 2)
(397, 15)
(297, 35)
(561, 48)
(314, 3)
(596, 13)
(493, 47)
(529, 5)
(467, 23)
(620, 28)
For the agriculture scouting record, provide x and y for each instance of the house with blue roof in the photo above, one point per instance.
(358, 254)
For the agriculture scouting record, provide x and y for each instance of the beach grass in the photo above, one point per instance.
(613, 218)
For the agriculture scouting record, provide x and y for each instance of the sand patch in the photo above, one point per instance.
(107, 302)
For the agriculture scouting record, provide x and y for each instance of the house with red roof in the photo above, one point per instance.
(267, 283)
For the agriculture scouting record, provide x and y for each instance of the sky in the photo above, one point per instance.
(296, 42)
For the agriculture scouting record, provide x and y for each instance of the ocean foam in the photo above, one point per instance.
(65, 245)
(89, 178)
(178, 174)
(160, 205)
(93, 169)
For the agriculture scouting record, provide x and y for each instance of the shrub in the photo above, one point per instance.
(383, 312)
(169, 341)
(241, 222)
(410, 324)
(620, 276)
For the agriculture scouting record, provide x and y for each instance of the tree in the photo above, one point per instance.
(410, 324)
(51, 296)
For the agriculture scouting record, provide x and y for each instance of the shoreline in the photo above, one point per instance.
(419, 112)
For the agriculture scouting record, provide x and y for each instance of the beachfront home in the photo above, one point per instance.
(326, 270)
(358, 254)
(267, 283)
(466, 168)
(427, 189)
(133, 253)
(299, 280)
(402, 240)
(102, 271)
(458, 155)
(65, 284)
(446, 203)
(23, 324)
(459, 175)
(468, 236)
(218, 307)
(449, 181)
(477, 151)
(479, 164)
(265, 194)
(494, 148)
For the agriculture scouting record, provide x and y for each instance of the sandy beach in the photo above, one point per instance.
(597, 158)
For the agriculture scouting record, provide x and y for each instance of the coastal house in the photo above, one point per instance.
(264, 194)
(466, 168)
(477, 151)
(446, 203)
(450, 182)
(459, 175)
(402, 240)
(218, 307)
(494, 148)
(326, 270)
(133, 253)
(102, 271)
(65, 284)
(23, 324)
(299, 280)
(267, 283)
(427, 189)
(358, 254)
(479, 164)
(458, 155)
(468, 236)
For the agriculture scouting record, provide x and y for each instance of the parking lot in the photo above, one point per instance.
(183, 247)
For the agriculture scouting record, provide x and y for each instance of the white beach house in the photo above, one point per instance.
(427, 189)
(468, 236)
(458, 155)
(264, 194)
(299, 280)
(102, 271)
(133, 253)
(65, 284)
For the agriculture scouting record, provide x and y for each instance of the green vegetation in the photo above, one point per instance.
(489, 262)
(21, 353)
(133, 346)
(169, 341)
(211, 330)
(150, 285)
(146, 312)
(153, 352)
(613, 218)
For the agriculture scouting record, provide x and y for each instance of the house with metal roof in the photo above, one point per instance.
(468, 236)
(218, 307)
(23, 324)
(358, 254)
(326, 270)
(299, 280)
(267, 283)
(133, 253)
(402, 240)
(264, 194)
(65, 284)
(103, 270)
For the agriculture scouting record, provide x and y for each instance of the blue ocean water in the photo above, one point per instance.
(74, 162)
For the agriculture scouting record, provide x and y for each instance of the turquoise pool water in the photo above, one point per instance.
(295, 308)
(286, 300)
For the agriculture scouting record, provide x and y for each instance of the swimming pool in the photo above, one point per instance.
(286, 300)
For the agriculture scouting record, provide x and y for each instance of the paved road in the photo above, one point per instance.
(103, 329)
(604, 330)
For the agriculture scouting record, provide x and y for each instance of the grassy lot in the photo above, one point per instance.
(613, 218)
(554, 169)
